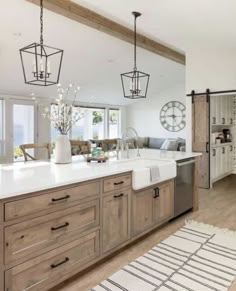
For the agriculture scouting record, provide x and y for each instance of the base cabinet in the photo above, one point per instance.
(42, 250)
(142, 211)
(164, 202)
(152, 207)
(115, 212)
(221, 162)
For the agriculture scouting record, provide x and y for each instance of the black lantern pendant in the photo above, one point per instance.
(41, 64)
(135, 83)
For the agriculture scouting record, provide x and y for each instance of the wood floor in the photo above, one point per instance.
(217, 207)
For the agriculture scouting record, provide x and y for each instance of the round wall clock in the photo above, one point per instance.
(173, 116)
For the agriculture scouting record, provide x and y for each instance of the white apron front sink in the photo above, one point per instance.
(141, 172)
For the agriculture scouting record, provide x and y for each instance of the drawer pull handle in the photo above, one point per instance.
(118, 196)
(61, 198)
(157, 192)
(119, 183)
(53, 266)
(214, 120)
(61, 226)
(223, 120)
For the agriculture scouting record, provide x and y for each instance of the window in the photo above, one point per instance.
(114, 123)
(1, 129)
(91, 125)
(23, 128)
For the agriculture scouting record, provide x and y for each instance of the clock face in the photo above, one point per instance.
(173, 116)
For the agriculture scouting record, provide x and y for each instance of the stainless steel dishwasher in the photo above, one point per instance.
(183, 198)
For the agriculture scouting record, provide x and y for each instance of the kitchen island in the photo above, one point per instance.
(57, 220)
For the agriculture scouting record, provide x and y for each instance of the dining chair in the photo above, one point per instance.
(28, 156)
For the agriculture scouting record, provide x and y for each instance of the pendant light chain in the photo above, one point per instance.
(41, 22)
(135, 45)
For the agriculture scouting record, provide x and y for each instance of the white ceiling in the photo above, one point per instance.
(92, 59)
(184, 24)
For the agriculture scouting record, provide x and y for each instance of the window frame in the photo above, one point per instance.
(119, 122)
(106, 119)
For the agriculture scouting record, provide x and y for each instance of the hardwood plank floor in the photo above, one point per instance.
(217, 207)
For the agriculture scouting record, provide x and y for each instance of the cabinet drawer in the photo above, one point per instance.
(115, 183)
(50, 200)
(29, 239)
(37, 273)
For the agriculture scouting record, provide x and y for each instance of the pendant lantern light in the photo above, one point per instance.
(135, 83)
(41, 63)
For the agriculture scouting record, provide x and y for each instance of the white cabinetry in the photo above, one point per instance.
(221, 110)
(221, 161)
(221, 117)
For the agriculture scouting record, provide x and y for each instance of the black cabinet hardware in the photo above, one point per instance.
(119, 183)
(223, 150)
(118, 196)
(157, 192)
(61, 226)
(214, 152)
(214, 120)
(223, 120)
(61, 198)
(53, 266)
(207, 147)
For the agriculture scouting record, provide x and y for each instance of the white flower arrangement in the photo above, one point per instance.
(63, 114)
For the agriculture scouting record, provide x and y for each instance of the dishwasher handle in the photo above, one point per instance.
(185, 163)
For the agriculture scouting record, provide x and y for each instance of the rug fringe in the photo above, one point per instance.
(211, 228)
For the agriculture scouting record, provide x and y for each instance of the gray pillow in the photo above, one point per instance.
(170, 145)
(155, 143)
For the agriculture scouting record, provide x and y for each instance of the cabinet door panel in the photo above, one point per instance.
(218, 162)
(164, 203)
(213, 164)
(142, 212)
(115, 219)
(213, 110)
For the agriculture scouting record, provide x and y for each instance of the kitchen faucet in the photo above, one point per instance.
(125, 137)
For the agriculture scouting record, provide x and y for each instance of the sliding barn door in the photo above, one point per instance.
(200, 137)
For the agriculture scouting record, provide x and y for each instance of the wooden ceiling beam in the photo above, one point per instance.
(90, 18)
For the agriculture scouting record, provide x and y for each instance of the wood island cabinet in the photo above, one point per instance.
(49, 236)
(142, 211)
(115, 213)
(152, 207)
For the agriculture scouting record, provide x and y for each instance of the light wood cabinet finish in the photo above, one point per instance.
(142, 211)
(152, 207)
(115, 183)
(39, 249)
(115, 211)
(27, 239)
(51, 200)
(164, 202)
(36, 273)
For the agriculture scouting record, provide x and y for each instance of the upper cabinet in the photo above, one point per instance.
(222, 110)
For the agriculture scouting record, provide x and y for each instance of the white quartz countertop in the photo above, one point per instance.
(22, 178)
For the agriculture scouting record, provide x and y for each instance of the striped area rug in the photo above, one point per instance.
(197, 257)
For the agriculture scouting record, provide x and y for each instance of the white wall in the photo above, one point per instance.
(213, 68)
(143, 115)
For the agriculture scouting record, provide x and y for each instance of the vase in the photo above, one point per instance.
(63, 150)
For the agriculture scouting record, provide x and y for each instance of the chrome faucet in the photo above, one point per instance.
(125, 136)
